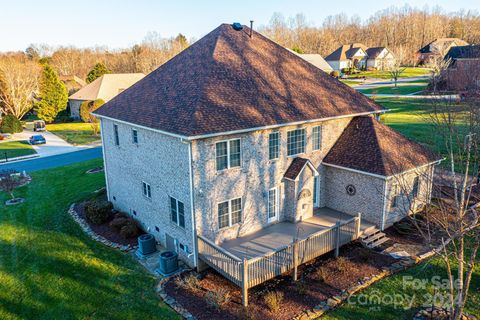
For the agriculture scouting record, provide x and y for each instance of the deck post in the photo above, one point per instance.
(295, 260)
(337, 239)
(245, 282)
(359, 223)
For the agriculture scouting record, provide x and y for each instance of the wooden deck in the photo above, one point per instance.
(280, 234)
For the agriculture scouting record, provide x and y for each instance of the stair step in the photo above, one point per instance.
(374, 237)
(369, 232)
(377, 242)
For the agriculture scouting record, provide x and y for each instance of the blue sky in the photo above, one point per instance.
(121, 23)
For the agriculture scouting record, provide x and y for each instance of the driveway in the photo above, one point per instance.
(388, 83)
(55, 145)
(54, 160)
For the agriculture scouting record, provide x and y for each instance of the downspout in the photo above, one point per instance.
(192, 207)
(104, 159)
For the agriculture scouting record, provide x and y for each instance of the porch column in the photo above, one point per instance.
(245, 282)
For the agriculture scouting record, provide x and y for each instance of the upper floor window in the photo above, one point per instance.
(229, 213)
(317, 138)
(295, 142)
(228, 154)
(147, 190)
(134, 136)
(273, 145)
(177, 212)
(115, 134)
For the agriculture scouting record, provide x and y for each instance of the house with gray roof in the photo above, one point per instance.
(236, 146)
(463, 72)
(316, 60)
(360, 56)
(437, 48)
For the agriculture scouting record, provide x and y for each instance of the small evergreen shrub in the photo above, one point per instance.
(130, 230)
(98, 212)
(335, 74)
(10, 124)
(118, 222)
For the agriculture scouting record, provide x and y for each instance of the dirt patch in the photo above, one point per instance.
(313, 286)
(105, 230)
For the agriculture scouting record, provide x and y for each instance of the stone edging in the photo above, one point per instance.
(335, 301)
(170, 301)
(86, 228)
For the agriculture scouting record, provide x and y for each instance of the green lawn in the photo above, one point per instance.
(395, 90)
(15, 149)
(398, 297)
(409, 72)
(74, 132)
(50, 269)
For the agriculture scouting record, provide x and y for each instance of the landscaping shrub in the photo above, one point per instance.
(130, 230)
(10, 124)
(321, 274)
(363, 255)
(335, 74)
(189, 282)
(302, 287)
(218, 297)
(273, 300)
(98, 212)
(118, 222)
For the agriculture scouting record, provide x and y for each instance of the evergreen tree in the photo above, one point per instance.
(53, 95)
(98, 70)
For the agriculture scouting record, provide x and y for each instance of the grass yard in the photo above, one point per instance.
(401, 89)
(74, 132)
(409, 72)
(15, 149)
(49, 269)
(397, 297)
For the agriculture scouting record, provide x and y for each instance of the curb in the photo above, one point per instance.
(19, 158)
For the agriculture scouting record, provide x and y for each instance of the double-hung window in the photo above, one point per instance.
(273, 145)
(115, 134)
(317, 138)
(295, 142)
(229, 213)
(134, 136)
(147, 190)
(228, 154)
(177, 212)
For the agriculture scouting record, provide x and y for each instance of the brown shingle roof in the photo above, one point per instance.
(370, 146)
(295, 168)
(227, 81)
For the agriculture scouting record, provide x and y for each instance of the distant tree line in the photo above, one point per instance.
(402, 29)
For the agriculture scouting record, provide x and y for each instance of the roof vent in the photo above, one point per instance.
(237, 26)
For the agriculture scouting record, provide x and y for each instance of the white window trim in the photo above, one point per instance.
(178, 212)
(305, 141)
(148, 188)
(277, 207)
(228, 154)
(230, 213)
(278, 145)
(320, 129)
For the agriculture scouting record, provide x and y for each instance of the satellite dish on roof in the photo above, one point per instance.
(237, 26)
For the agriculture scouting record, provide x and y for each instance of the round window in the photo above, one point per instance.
(350, 189)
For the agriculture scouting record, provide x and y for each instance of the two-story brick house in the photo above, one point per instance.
(236, 134)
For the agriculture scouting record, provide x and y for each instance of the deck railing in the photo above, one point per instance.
(248, 273)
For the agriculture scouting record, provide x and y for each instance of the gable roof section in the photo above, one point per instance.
(464, 52)
(316, 60)
(369, 146)
(230, 82)
(437, 45)
(297, 166)
(107, 86)
(346, 51)
(374, 52)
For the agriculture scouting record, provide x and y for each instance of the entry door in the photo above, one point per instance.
(316, 192)
(273, 205)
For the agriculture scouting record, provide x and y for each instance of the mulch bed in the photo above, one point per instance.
(356, 263)
(105, 230)
(404, 232)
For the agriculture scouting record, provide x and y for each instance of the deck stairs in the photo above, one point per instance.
(372, 237)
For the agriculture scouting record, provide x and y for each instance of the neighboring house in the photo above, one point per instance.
(464, 69)
(73, 83)
(316, 60)
(380, 58)
(105, 87)
(438, 47)
(348, 56)
(235, 135)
